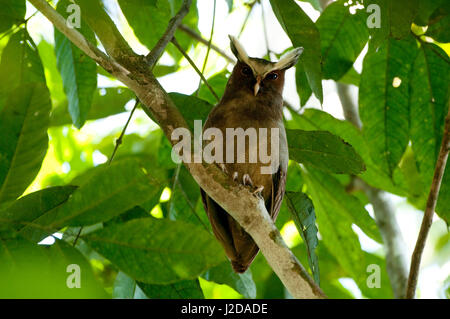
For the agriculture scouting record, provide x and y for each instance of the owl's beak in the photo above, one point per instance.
(257, 84)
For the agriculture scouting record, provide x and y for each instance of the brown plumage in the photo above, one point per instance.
(252, 99)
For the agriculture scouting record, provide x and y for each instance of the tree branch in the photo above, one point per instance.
(429, 210)
(174, 23)
(247, 209)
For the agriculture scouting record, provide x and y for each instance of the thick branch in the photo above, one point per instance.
(247, 209)
(100, 22)
(429, 210)
(174, 23)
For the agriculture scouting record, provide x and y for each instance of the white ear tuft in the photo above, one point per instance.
(289, 59)
(238, 49)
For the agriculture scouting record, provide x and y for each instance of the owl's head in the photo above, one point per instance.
(259, 75)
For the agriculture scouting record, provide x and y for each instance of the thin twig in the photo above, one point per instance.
(251, 5)
(78, 236)
(119, 140)
(429, 210)
(209, 46)
(175, 42)
(266, 37)
(202, 40)
(174, 23)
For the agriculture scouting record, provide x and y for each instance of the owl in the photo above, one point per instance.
(252, 100)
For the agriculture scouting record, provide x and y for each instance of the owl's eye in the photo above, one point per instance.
(246, 70)
(272, 76)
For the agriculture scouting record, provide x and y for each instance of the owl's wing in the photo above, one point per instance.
(278, 189)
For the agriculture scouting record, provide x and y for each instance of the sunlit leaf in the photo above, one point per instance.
(157, 251)
(105, 192)
(429, 104)
(31, 271)
(324, 150)
(224, 274)
(20, 65)
(342, 37)
(384, 99)
(304, 217)
(28, 208)
(106, 102)
(13, 11)
(23, 128)
(78, 71)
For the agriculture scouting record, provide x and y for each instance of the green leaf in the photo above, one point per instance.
(395, 17)
(26, 209)
(351, 77)
(304, 217)
(106, 102)
(13, 12)
(318, 120)
(439, 28)
(333, 213)
(126, 287)
(185, 289)
(149, 31)
(335, 200)
(384, 98)
(52, 76)
(157, 251)
(20, 65)
(23, 127)
(303, 89)
(230, 4)
(342, 36)
(224, 274)
(303, 33)
(314, 3)
(32, 271)
(428, 106)
(184, 198)
(105, 192)
(325, 151)
(78, 71)
(218, 82)
(425, 10)
(192, 108)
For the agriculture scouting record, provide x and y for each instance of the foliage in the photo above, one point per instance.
(137, 227)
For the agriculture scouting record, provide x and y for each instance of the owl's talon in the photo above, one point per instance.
(246, 180)
(223, 168)
(258, 191)
(235, 176)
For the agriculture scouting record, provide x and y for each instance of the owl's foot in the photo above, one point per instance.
(223, 168)
(235, 176)
(246, 180)
(258, 191)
